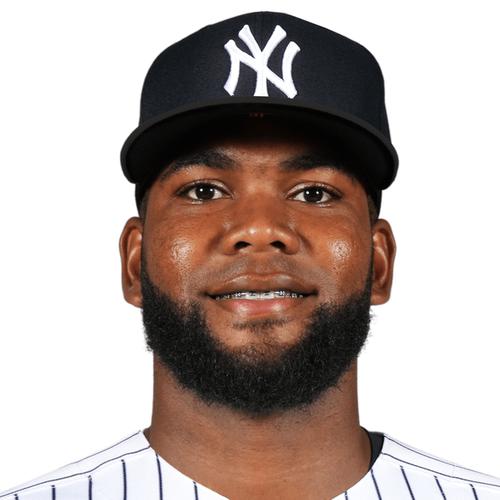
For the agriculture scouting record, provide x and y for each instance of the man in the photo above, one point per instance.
(262, 150)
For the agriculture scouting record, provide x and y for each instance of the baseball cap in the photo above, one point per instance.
(271, 64)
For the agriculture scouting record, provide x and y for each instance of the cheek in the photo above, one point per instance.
(171, 259)
(348, 255)
(340, 251)
(180, 254)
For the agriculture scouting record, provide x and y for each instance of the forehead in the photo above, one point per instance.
(286, 145)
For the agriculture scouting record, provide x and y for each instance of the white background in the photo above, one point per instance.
(75, 375)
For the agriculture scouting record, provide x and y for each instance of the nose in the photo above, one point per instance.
(260, 226)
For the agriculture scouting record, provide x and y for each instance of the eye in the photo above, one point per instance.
(203, 190)
(315, 193)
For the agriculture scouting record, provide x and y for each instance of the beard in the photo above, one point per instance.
(261, 379)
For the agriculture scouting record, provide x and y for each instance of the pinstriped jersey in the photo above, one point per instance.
(132, 470)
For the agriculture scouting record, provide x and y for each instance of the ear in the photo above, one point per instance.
(130, 253)
(384, 252)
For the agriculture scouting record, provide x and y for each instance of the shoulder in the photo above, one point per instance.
(423, 475)
(87, 478)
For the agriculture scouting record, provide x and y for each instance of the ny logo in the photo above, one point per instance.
(258, 62)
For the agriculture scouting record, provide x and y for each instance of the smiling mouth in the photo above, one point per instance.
(255, 295)
(251, 303)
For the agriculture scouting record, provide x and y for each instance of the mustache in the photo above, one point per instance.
(267, 265)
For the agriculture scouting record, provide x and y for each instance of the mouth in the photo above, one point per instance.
(257, 295)
(251, 303)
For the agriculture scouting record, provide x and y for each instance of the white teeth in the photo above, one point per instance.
(259, 295)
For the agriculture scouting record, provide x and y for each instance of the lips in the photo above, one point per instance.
(262, 283)
(245, 307)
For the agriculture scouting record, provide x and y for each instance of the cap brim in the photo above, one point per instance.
(150, 145)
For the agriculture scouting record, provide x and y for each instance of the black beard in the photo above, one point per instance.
(250, 381)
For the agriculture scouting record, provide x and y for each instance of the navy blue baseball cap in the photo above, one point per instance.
(272, 64)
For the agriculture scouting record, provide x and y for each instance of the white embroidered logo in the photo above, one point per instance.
(258, 62)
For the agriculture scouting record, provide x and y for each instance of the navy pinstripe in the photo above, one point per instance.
(407, 483)
(53, 492)
(345, 495)
(124, 469)
(160, 485)
(195, 490)
(440, 488)
(376, 485)
(90, 487)
(474, 491)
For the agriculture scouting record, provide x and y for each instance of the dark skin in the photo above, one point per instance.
(259, 211)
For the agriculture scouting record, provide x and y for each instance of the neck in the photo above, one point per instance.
(278, 456)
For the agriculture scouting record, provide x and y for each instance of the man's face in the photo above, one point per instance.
(277, 216)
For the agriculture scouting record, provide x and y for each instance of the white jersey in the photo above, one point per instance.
(132, 470)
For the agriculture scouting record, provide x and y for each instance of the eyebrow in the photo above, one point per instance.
(218, 160)
(208, 157)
